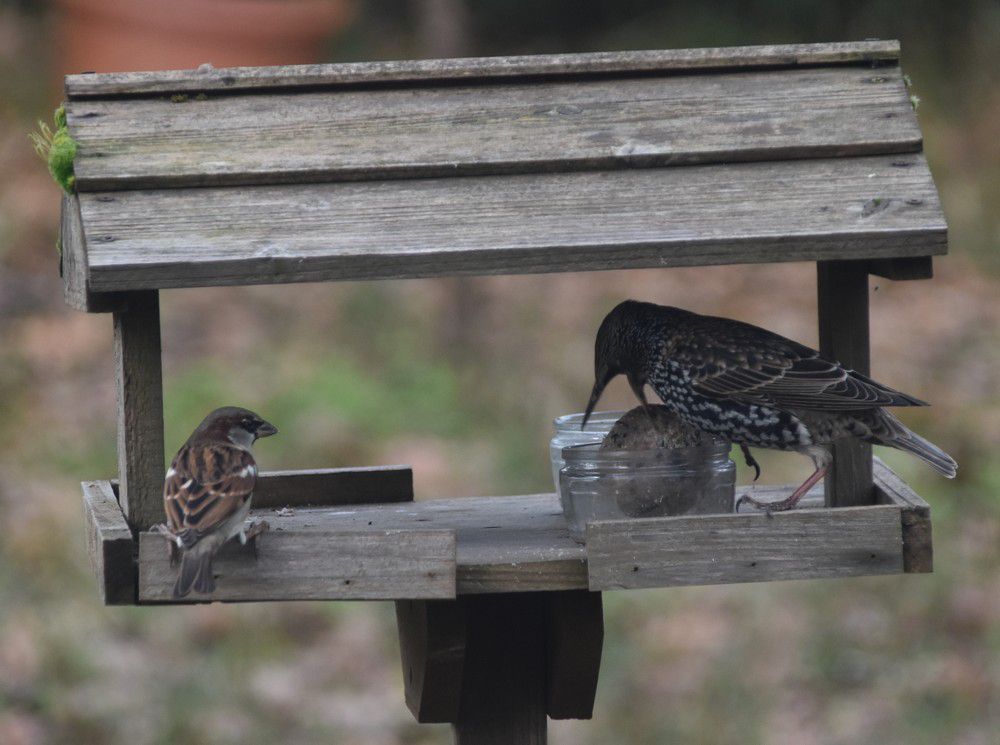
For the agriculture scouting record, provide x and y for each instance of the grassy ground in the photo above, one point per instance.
(460, 379)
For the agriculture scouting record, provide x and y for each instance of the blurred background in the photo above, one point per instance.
(460, 378)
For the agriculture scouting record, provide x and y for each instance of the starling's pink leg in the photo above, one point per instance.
(791, 501)
(751, 461)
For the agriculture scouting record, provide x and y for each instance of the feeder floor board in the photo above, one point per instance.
(441, 548)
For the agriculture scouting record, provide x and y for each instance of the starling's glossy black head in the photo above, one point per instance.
(617, 351)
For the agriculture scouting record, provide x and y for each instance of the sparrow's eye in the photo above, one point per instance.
(247, 423)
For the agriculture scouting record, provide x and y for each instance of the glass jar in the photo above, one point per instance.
(600, 484)
(568, 433)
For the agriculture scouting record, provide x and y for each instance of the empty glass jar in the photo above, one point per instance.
(600, 484)
(568, 433)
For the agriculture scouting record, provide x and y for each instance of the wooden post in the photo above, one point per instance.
(139, 389)
(496, 665)
(843, 336)
(503, 683)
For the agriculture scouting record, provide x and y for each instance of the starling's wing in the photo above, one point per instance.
(730, 359)
(205, 485)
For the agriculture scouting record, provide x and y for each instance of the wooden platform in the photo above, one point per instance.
(501, 165)
(442, 548)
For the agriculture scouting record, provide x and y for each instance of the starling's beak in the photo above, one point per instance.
(594, 396)
(266, 429)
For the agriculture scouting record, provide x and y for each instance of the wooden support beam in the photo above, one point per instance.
(903, 268)
(139, 392)
(574, 638)
(843, 336)
(432, 639)
(503, 682)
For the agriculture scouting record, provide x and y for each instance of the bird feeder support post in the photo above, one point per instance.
(502, 699)
(843, 336)
(139, 394)
(498, 665)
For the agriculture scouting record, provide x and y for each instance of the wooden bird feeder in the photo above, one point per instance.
(507, 165)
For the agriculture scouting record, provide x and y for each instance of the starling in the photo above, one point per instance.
(751, 387)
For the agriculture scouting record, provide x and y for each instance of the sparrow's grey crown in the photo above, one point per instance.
(238, 425)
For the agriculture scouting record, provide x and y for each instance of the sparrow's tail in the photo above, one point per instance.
(896, 435)
(196, 574)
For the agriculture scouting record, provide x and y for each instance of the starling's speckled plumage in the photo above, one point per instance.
(751, 386)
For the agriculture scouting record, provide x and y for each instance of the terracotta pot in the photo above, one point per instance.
(120, 35)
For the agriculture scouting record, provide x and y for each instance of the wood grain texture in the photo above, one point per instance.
(842, 292)
(397, 72)
(521, 544)
(650, 217)
(333, 486)
(720, 549)
(73, 264)
(504, 544)
(915, 513)
(432, 644)
(512, 128)
(110, 544)
(573, 644)
(312, 564)
(139, 397)
(503, 683)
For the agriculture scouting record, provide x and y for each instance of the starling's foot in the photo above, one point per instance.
(751, 461)
(788, 503)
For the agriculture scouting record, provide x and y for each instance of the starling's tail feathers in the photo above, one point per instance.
(195, 574)
(906, 439)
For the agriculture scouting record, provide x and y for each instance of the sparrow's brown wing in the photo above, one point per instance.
(205, 485)
(730, 359)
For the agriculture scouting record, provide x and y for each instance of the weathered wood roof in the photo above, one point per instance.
(495, 165)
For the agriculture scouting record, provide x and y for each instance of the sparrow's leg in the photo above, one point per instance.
(791, 501)
(174, 539)
(166, 533)
(255, 530)
(751, 461)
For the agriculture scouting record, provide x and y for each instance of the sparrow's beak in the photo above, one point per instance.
(595, 395)
(266, 429)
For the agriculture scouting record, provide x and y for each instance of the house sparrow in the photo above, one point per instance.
(207, 491)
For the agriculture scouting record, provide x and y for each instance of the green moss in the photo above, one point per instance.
(58, 149)
(179, 98)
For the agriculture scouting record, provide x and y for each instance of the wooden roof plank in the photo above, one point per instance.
(552, 126)
(798, 210)
(398, 72)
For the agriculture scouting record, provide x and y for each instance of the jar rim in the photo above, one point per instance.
(571, 422)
